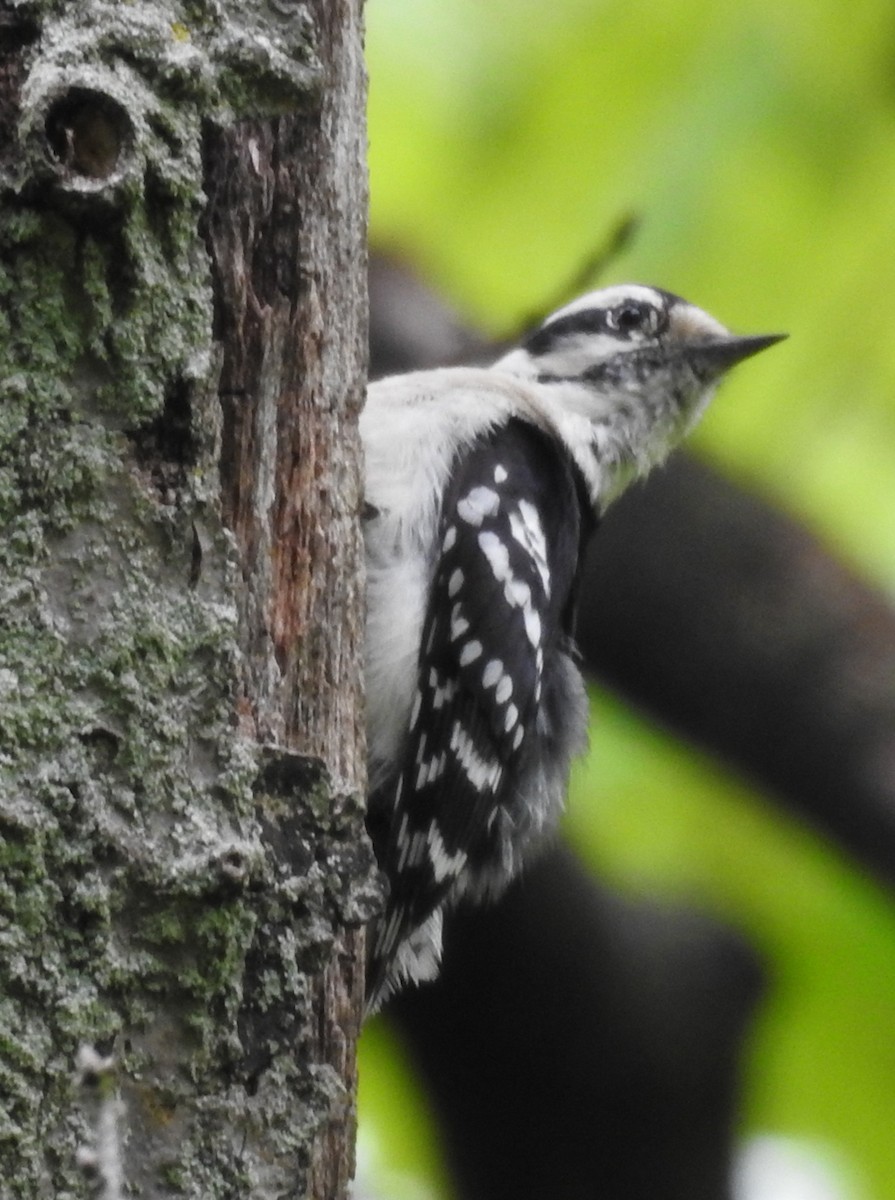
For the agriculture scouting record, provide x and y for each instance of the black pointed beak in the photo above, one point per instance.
(720, 354)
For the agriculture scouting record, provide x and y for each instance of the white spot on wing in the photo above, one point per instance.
(401, 836)
(484, 776)
(470, 652)
(455, 583)
(511, 718)
(450, 539)
(528, 531)
(430, 771)
(532, 626)
(492, 673)
(504, 690)
(421, 749)
(412, 848)
(497, 555)
(444, 864)
(500, 474)
(518, 593)
(478, 503)
(444, 693)
(459, 624)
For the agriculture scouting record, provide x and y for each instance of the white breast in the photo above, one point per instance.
(412, 428)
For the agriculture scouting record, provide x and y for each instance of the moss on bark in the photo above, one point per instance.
(164, 895)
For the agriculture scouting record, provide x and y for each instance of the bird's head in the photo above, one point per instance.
(636, 364)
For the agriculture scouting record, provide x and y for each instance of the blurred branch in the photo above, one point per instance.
(410, 328)
(584, 277)
(734, 626)
(413, 329)
(579, 1046)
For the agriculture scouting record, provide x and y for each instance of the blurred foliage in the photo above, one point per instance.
(756, 142)
(398, 1155)
(822, 1057)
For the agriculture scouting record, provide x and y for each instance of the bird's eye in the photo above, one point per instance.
(630, 317)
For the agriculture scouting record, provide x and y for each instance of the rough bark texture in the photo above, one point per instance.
(290, 289)
(182, 865)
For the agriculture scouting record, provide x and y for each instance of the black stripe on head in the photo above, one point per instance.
(595, 320)
(543, 340)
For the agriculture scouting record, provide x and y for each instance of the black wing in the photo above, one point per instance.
(499, 606)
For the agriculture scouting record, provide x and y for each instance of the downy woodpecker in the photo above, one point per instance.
(482, 488)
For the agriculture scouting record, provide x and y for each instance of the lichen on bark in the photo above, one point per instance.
(168, 886)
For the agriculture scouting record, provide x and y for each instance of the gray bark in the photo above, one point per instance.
(183, 873)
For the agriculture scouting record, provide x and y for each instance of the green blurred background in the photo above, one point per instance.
(756, 142)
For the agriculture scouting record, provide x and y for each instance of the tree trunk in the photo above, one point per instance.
(183, 872)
